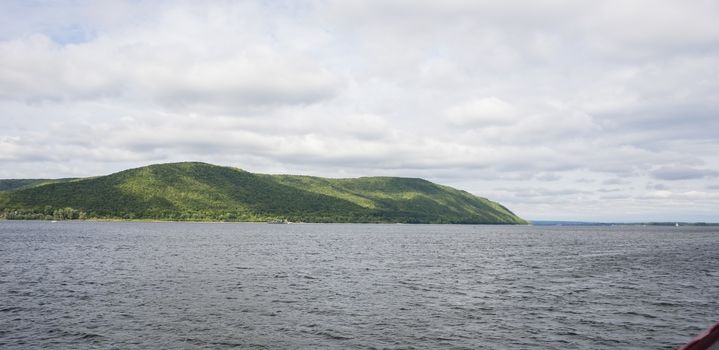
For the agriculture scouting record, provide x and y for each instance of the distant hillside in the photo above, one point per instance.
(204, 192)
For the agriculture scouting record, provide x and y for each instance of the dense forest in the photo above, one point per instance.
(193, 191)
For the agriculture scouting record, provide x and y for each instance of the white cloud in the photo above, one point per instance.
(483, 112)
(557, 99)
(170, 62)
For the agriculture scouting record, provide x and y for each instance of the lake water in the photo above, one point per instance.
(75, 285)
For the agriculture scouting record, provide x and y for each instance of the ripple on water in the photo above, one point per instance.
(173, 285)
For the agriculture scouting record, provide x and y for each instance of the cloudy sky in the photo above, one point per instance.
(571, 110)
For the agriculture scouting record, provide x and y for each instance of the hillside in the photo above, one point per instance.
(204, 192)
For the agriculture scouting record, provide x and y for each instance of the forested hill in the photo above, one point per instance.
(205, 192)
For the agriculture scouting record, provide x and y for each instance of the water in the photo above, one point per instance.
(194, 286)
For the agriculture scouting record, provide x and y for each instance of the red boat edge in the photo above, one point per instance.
(708, 340)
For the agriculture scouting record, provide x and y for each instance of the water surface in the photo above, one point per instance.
(195, 286)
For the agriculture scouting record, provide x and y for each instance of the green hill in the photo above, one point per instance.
(204, 192)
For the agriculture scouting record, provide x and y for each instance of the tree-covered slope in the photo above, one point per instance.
(407, 199)
(199, 191)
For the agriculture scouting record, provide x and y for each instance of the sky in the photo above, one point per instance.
(560, 110)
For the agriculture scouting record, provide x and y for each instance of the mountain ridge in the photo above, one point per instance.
(197, 191)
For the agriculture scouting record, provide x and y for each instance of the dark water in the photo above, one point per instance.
(178, 285)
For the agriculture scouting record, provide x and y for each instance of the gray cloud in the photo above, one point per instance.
(682, 173)
(658, 187)
(615, 181)
(548, 177)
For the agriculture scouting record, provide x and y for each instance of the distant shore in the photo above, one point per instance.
(590, 223)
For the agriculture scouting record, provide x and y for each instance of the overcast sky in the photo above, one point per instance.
(571, 110)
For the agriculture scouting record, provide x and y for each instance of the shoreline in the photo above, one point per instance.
(258, 222)
(648, 224)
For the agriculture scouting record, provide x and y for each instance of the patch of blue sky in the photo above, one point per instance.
(71, 34)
